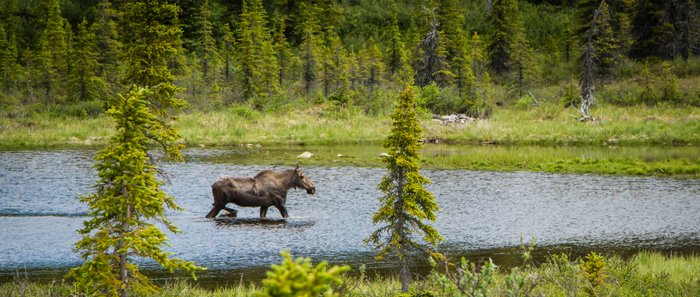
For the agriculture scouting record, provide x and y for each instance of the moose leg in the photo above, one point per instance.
(282, 209)
(213, 212)
(263, 211)
(232, 211)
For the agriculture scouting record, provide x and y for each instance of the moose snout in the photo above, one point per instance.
(311, 191)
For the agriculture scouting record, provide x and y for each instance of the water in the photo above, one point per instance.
(483, 214)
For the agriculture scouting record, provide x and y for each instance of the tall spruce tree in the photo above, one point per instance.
(596, 19)
(51, 58)
(406, 204)
(205, 49)
(9, 68)
(151, 37)
(84, 82)
(288, 62)
(508, 34)
(256, 56)
(372, 65)
(309, 48)
(397, 61)
(664, 29)
(108, 45)
(128, 197)
(333, 66)
(228, 44)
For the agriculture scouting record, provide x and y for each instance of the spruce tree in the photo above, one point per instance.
(309, 46)
(206, 50)
(108, 46)
(9, 68)
(152, 42)
(398, 65)
(127, 202)
(286, 59)
(256, 56)
(508, 35)
(373, 65)
(84, 83)
(128, 198)
(451, 20)
(406, 204)
(228, 45)
(51, 57)
(597, 20)
(606, 43)
(333, 65)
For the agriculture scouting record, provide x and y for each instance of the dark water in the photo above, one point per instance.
(483, 214)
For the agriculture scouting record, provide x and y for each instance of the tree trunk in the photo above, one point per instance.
(123, 272)
(404, 272)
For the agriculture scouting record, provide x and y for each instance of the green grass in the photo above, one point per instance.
(547, 124)
(645, 274)
(544, 138)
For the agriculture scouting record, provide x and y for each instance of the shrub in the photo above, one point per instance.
(593, 267)
(301, 278)
(244, 111)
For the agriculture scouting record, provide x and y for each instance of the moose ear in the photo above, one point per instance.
(296, 168)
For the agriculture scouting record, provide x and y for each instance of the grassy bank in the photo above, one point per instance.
(646, 274)
(547, 124)
(635, 140)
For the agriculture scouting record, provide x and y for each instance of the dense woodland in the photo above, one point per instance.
(467, 56)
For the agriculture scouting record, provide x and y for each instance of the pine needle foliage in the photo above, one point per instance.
(406, 203)
(126, 204)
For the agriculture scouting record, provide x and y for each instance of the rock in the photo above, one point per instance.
(384, 155)
(305, 155)
(453, 119)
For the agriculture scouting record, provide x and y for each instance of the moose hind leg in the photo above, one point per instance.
(213, 212)
(263, 211)
(232, 212)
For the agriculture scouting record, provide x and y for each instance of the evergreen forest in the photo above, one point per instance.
(70, 56)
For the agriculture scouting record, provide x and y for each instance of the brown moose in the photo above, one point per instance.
(267, 188)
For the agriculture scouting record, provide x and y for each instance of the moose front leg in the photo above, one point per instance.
(283, 210)
(263, 211)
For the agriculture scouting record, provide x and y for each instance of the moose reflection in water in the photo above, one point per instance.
(266, 189)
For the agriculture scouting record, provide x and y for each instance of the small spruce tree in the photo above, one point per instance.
(127, 203)
(406, 203)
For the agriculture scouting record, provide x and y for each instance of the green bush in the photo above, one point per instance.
(301, 278)
(244, 111)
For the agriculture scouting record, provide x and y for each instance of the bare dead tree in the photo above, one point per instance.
(587, 78)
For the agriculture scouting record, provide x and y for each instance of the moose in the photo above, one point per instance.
(267, 188)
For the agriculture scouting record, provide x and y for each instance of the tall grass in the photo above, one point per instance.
(645, 274)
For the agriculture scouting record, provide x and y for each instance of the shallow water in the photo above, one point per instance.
(483, 214)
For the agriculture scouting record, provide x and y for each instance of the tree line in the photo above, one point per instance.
(59, 52)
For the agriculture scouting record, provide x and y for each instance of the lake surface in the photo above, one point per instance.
(483, 214)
